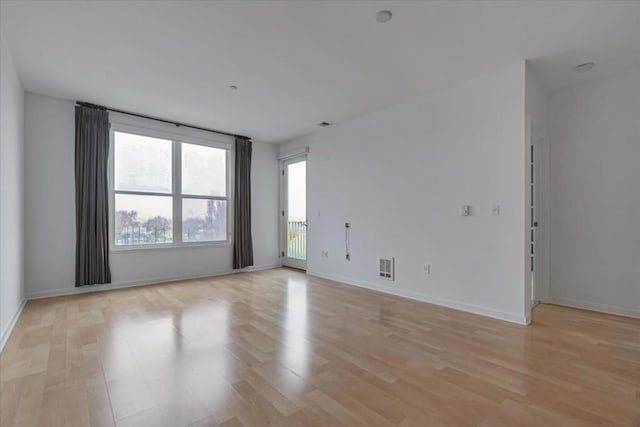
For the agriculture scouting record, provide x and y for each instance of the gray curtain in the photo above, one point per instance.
(242, 240)
(92, 196)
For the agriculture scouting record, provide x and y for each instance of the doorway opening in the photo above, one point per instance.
(294, 213)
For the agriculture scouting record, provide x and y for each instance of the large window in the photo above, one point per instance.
(167, 190)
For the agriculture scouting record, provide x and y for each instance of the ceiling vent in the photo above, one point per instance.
(324, 124)
(387, 268)
(584, 67)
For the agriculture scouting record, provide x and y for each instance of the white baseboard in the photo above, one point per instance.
(470, 308)
(144, 282)
(594, 306)
(12, 323)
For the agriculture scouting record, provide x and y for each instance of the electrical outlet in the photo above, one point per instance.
(324, 254)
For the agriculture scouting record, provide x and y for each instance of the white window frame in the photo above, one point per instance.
(178, 135)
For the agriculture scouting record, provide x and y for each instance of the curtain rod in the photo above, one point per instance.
(178, 124)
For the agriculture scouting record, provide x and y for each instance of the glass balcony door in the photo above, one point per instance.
(294, 213)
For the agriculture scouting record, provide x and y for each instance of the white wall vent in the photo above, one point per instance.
(387, 268)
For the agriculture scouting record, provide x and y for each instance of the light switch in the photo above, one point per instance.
(495, 210)
(465, 210)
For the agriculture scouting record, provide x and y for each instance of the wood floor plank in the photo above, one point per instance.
(280, 348)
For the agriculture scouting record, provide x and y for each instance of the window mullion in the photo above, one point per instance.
(177, 190)
(195, 196)
(142, 193)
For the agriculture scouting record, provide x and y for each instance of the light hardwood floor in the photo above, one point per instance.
(281, 348)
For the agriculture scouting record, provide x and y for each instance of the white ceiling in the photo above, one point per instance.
(299, 63)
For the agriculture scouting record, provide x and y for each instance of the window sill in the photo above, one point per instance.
(152, 248)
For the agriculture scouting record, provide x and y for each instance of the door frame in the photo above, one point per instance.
(282, 223)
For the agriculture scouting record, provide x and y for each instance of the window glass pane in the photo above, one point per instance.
(143, 220)
(204, 220)
(142, 163)
(297, 191)
(204, 170)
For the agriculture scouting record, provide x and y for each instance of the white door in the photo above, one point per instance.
(538, 205)
(534, 223)
(294, 213)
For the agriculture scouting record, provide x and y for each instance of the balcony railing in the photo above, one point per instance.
(142, 235)
(297, 239)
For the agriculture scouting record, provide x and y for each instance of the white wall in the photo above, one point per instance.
(400, 176)
(50, 213)
(11, 192)
(595, 195)
(536, 101)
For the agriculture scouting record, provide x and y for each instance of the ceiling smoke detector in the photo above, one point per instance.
(384, 16)
(584, 67)
(324, 124)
